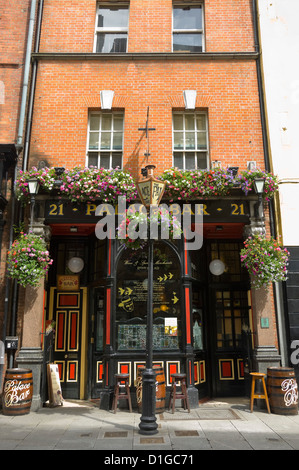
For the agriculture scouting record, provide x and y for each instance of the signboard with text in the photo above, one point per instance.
(222, 210)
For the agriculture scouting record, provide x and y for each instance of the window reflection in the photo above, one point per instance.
(131, 299)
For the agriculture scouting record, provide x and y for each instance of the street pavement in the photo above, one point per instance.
(225, 424)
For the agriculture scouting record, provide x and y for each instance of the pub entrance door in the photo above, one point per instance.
(68, 310)
(230, 320)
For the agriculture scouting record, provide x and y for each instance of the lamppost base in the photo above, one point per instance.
(148, 424)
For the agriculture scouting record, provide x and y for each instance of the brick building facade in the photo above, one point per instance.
(101, 70)
(14, 73)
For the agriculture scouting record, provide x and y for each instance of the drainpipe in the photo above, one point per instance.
(19, 147)
(278, 295)
(32, 88)
(26, 73)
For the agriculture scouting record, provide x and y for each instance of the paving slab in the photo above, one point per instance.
(224, 424)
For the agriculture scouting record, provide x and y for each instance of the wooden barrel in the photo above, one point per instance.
(139, 388)
(17, 392)
(160, 388)
(282, 390)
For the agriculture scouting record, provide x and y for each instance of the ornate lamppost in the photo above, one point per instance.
(150, 191)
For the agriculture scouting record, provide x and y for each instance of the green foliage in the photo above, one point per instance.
(265, 259)
(28, 260)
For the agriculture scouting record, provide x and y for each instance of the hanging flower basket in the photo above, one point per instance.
(265, 259)
(28, 260)
(134, 229)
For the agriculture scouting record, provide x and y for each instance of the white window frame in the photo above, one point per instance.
(105, 152)
(110, 30)
(189, 31)
(195, 151)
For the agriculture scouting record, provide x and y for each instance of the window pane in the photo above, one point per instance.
(113, 17)
(189, 122)
(105, 161)
(118, 122)
(201, 140)
(117, 141)
(178, 122)
(106, 140)
(190, 140)
(106, 122)
(187, 42)
(107, 43)
(92, 159)
(189, 161)
(201, 122)
(178, 140)
(201, 161)
(187, 17)
(94, 140)
(94, 122)
(178, 161)
(116, 160)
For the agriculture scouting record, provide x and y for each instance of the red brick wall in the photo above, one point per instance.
(13, 32)
(67, 90)
(68, 26)
(14, 17)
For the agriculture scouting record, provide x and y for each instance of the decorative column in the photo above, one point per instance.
(31, 354)
(265, 352)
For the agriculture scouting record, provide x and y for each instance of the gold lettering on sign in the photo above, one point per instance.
(202, 209)
(90, 208)
(237, 209)
(56, 209)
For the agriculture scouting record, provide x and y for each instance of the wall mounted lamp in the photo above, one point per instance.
(234, 170)
(33, 187)
(75, 264)
(58, 172)
(217, 267)
(259, 186)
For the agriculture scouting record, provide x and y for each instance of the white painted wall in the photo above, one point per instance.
(279, 37)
